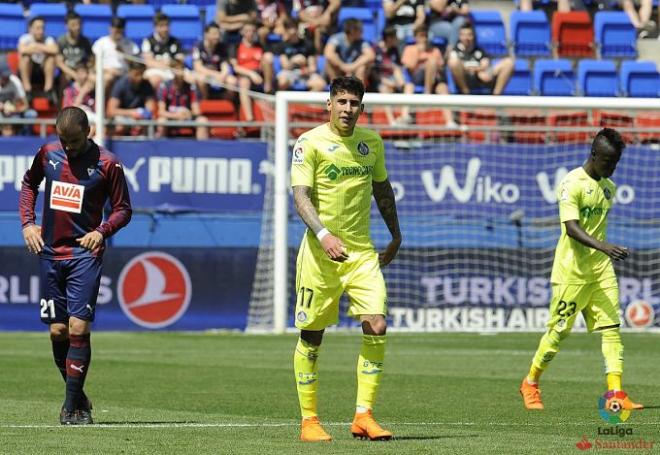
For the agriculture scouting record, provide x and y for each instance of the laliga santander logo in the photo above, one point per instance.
(154, 290)
(615, 406)
(640, 314)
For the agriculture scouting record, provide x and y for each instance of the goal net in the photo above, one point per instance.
(477, 207)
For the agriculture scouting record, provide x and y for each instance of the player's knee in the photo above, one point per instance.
(78, 327)
(59, 332)
(374, 325)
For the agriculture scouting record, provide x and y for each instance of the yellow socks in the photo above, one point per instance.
(548, 348)
(369, 370)
(305, 366)
(613, 354)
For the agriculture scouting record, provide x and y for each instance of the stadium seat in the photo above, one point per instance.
(647, 120)
(252, 131)
(597, 78)
(12, 25)
(572, 34)
(615, 35)
(616, 120)
(45, 110)
(475, 119)
(489, 31)
(220, 110)
(139, 20)
(379, 117)
(53, 14)
(210, 15)
(640, 79)
(185, 23)
(434, 117)
(521, 79)
(364, 15)
(201, 2)
(306, 113)
(554, 78)
(95, 20)
(12, 60)
(530, 34)
(568, 119)
(526, 119)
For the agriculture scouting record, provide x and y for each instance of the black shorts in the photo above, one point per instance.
(417, 77)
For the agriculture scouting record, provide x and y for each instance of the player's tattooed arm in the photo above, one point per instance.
(302, 197)
(384, 195)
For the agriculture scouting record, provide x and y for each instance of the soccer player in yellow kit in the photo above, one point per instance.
(583, 278)
(335, 169)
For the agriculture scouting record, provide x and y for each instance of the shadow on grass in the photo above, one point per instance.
(653, 406)
(424, 438)
(145, 422)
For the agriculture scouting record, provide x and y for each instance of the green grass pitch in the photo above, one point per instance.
(190, 393)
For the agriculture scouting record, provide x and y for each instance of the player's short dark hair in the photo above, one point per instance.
(72, 116)
(211, 25)
(608, 138)
(349, 84)
(421, 28)
(352, 24)
(71, 16)
(35, 19)
(118, 22)
(161, 17)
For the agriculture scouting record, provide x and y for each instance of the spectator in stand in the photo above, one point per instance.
(426, 67)
(211, 63)
(232, 15)
(159, 51)
(37, 59)
(13, 102)
(80, 93)
(640, 19)
(347, 54)
(471, 67)
(318, 18)
(132, 98)
(114, 47)
(271, 14)
(447, 17)
(387, 73)
(252, 70)
(74, 49)
(298, 61)
(405, 16)
(562, 5)
(178, 100)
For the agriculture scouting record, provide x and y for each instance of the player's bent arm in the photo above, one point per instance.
(575, 231)
(305, 208)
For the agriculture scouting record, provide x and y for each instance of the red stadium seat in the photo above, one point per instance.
(473, 119)
(220, 110)
(615, 120)
(379, 118)
(308, 114)
(44, 110)
(434, 117)
(527, 119)
(648, 120)
(566, 119)
(573, 34)
(252, 131)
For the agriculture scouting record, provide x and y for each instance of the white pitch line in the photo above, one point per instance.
(292, 424)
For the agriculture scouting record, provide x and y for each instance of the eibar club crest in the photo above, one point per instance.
(363, 148)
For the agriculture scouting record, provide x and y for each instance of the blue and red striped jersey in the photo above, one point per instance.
(75, 194)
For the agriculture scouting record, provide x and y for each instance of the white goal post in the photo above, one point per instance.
(276, 282)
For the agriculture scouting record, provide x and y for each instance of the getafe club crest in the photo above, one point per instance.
(607, 193)
(363, 148)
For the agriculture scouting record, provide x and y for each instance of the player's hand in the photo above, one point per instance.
(32, 237)
(91, 240)
(616, 252)
(390, 252)
(334, 248)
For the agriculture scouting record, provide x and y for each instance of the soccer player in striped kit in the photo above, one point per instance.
(80, 176)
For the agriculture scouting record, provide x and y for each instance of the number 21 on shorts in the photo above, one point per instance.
(47, 309)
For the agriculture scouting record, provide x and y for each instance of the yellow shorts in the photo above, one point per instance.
(598, 303)
(320, 282)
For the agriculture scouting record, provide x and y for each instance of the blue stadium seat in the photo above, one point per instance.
(598, 78)
(364, 15)
(453, 89)
(185, 23)
(521, 79)
(489, 31)
(95, 20)
(210, 14)
(530, 33)
(12, 25)
(615, 35)
(640, 79)
(554, 78)
(277, 67)
(53, 14)
(201, 2)
(139, 20)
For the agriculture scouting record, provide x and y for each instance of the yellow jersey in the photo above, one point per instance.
(589, 202)
(340, 171)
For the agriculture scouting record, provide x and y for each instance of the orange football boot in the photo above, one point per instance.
(312, 431)
(365, 427)
(531, 395)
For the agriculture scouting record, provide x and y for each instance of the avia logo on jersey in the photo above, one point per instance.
(67, 197)
(154, 290)
(640, 314)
